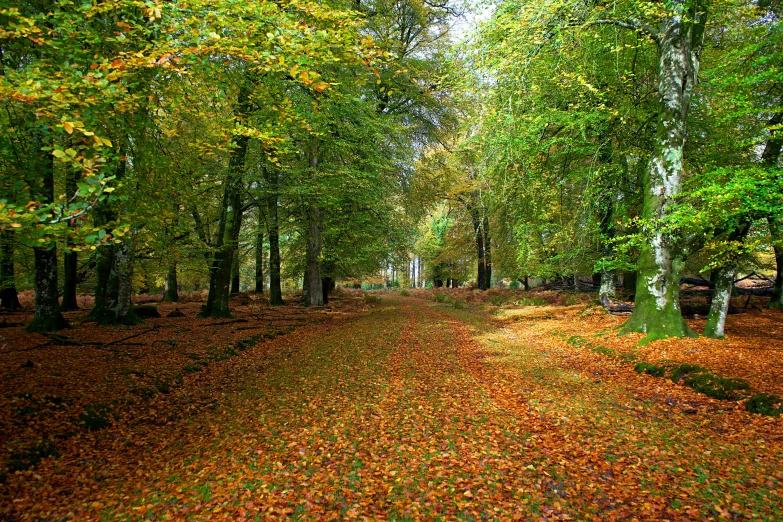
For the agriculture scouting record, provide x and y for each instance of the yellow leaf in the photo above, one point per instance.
(68, 126)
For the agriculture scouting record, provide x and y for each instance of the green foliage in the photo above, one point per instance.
(439, 297)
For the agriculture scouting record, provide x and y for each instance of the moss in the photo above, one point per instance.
(676, 373)
(95, 417)
(602, 350)
(192, 368)
(650, 369)
(576, 340)
(765, 404)
(28, 457)
(715, 386)
(628, 357)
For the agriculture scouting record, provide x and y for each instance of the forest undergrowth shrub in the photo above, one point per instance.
(765, 404)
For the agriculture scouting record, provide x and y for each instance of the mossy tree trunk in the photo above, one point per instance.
(661, 261)
(47, 316)
(230, 222)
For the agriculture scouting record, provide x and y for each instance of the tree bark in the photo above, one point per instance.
(769, 159)
(170, 292)
(47, 316)
(230, 222)
(478, 231)
(235, 273)
(275, 292)
(719, 307)
(118, 299)
(314, 240)
(487, 253)
(260, 262)
(9, 299)
(70, 259)
(661, 261)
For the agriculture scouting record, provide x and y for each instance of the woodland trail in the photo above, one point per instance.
(416, 411)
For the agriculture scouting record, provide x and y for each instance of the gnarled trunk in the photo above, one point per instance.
(661, 261)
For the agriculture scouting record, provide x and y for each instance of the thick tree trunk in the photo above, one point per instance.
(230, 223)
(118, 299)
(657, 304)
(170, 292)
(47, 316)
(235, 273)
(313, 268)
(275, 292)
(9, 299)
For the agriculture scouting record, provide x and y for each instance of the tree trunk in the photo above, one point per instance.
(47, 316)
(313, 270)
(481, 277)
(260, 259)
(170, 292)
(230, 222)
(487, 253)
(716, 317)
(661, 261)
(9, 300)
(769, 159)
(776, 230)
(70, 258)
(275, 292)
(235, 273)
(118, 300)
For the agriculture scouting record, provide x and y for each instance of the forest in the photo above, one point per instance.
(284, 167)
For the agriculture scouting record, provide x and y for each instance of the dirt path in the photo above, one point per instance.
(409, 412)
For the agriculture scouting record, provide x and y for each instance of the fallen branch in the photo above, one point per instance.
(221, 323)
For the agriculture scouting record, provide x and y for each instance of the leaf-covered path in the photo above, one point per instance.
(413, 411)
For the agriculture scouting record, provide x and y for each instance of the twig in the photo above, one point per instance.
(226, 322)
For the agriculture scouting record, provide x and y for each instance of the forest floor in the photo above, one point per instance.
(498, 407)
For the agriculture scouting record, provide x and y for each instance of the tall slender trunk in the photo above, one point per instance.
(47, 316)
(478, 234)
(724, 283)
(260, 259)
(9, 299)
(230, 222)
(170, 292)
(487, 252)
(273, 195)
(661, 261)
(769, 159)
(314, 245)
(605, 210)
(70, 258)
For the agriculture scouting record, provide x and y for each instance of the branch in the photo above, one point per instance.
(630, 23)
